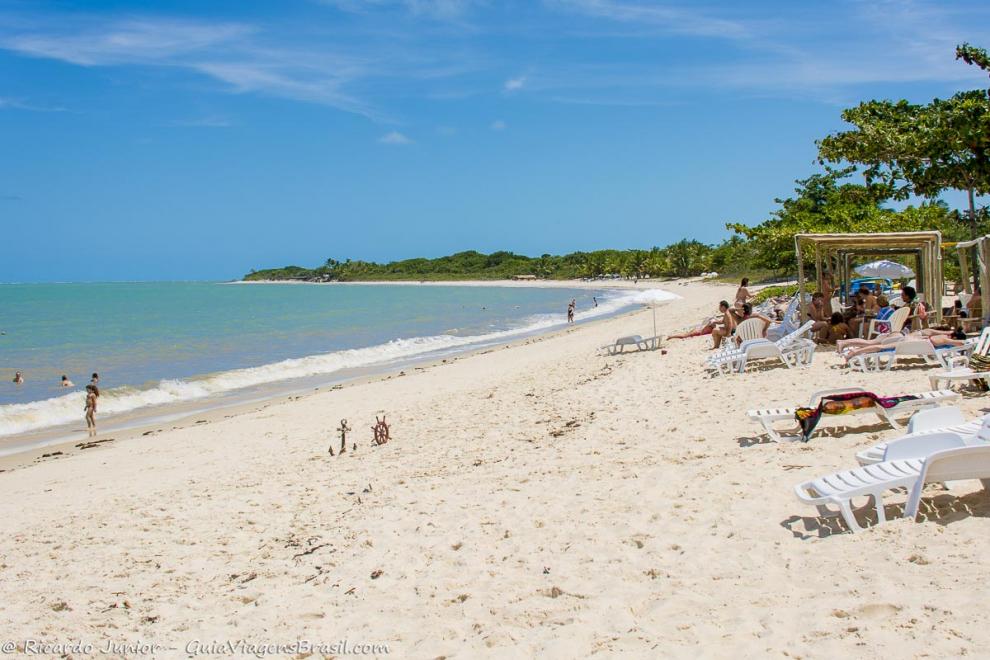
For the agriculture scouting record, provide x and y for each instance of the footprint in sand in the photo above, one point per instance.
(878, 610)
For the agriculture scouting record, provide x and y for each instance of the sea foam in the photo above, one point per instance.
(22, 417)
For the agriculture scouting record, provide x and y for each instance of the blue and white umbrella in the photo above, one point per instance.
(885, 268)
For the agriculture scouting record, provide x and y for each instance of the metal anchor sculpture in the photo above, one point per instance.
(344, 429)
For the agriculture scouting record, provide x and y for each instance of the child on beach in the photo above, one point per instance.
(92, 394)
(838, 329)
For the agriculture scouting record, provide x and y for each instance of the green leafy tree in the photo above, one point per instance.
(919, 149)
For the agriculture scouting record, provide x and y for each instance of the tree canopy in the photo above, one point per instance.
(920, 149)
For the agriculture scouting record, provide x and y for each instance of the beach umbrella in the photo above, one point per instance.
(885, 268)
(654, 298)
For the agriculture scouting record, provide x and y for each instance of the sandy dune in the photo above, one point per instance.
(538, 499)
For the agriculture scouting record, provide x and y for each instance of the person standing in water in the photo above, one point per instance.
(18, 378)
(66, 382)
(95, 380)
(92, 394)
(595, 300)
(570, 311)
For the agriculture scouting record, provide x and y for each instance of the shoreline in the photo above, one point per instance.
(59, 441)
(283, 375)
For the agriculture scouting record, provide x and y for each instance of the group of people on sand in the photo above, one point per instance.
(92, 394)
(839, 328)
(723, 325)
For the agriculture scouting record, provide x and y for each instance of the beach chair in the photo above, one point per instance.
(935, 421)
(750, 330)
(909, 463)
(895, 322)
(767, 417)
(790, 349)
(790, 322)
(958, 367)
(886, 359)
(950, 465)
(641, 344)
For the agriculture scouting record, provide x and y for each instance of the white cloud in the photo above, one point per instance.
(229, 53)
(435, 9)
(514, 84)
(125, 41)
(394, 137)
(498, 125)
(21, 104)
(670, 19)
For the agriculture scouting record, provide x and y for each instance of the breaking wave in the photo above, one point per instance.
(23, 417)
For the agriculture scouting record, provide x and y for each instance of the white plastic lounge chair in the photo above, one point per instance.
(791, 349)
(895, 322)
(791, 320)
(767, 417)
(641, 344)
(909, 463)
(950, 465)
(958, 369)
(871, 480)
(908, 349)
(936, 421)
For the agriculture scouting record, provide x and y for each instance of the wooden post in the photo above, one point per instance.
(984, 249)
(800, 260)
(964, 269)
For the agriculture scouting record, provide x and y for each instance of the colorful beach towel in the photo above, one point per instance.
(842, 404)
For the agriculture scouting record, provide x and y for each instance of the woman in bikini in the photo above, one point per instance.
(92, 394)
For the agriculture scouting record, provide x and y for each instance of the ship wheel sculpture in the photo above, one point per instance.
(380, 431)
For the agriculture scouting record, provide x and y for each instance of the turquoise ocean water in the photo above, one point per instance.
(159, 343)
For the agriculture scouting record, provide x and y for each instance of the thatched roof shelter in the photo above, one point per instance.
(833, 253)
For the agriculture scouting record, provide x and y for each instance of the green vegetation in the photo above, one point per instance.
(769, 292)
(903, 149)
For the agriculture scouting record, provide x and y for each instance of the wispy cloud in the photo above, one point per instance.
(435, 9)
(21, 104)
(514, 84)
(231, 53)
(124, 42)
(394, 138)
(668, 18)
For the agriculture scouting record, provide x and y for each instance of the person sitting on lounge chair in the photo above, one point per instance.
(817, 312)
(726, 327)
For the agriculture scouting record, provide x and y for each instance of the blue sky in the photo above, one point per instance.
(195, 140)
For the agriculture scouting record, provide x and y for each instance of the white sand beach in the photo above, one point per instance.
(537, 499)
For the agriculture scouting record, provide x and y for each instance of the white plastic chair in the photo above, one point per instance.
(895, 321)
(750, 329)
